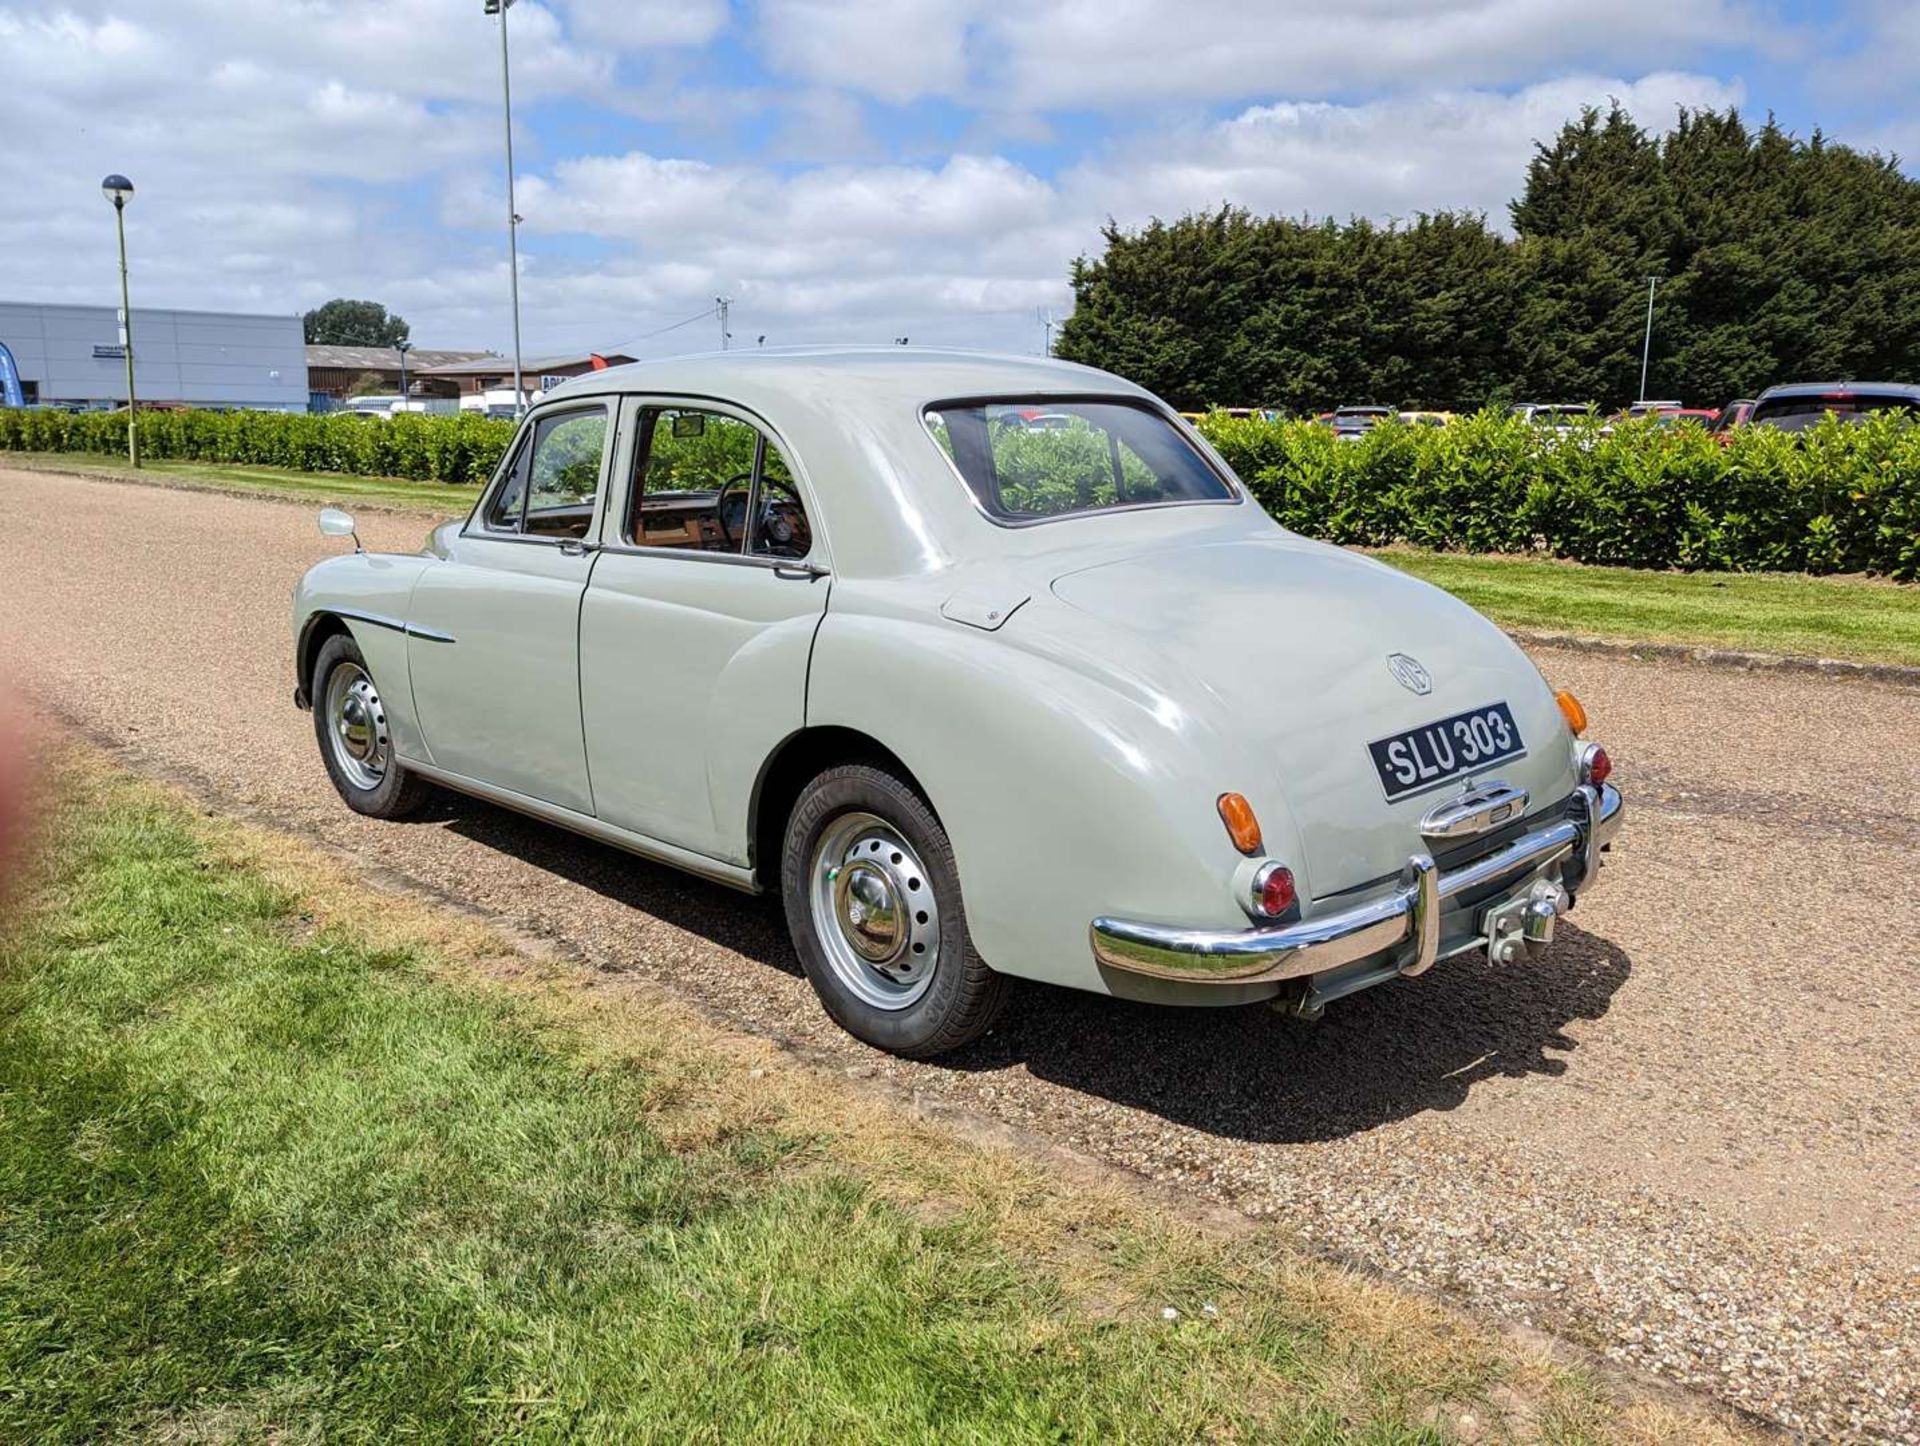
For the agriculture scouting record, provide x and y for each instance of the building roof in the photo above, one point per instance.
(488, 364)
(385, 358)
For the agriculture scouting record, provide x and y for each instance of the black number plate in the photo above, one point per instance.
(1427, 756)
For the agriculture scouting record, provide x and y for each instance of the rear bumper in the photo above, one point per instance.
(1405, 921)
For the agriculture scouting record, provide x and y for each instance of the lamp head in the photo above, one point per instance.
(117, 189)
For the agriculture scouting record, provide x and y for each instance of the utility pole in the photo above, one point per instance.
(722, 303)
(500, 8)
(1646, 347)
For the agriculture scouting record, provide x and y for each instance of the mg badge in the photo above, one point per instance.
(1410, 673)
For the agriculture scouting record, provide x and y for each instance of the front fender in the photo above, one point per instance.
(369, 594)
(1069, 789)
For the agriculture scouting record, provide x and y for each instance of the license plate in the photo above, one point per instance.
(1432, 754)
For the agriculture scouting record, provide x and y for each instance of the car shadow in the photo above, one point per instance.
(753, 927)
(1405, 1048)
(1401, 1049)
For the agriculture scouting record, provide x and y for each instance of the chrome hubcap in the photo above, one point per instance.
(873, 909)
(357, 726)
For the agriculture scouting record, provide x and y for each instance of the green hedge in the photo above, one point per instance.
(1838, 498)
(1834, 499)
(426, 448)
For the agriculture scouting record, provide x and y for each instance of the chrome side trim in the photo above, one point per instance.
(381, 620)
(718, 870)
(1477, 811)
(1411, 912)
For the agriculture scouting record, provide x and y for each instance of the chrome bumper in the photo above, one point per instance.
(1407, 920)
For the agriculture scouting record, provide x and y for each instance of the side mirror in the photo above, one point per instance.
(336, 523)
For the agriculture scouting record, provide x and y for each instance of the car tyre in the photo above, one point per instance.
(350, 723)
(873, 904)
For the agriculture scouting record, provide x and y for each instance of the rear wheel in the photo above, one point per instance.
(351, 723)
(873, 904)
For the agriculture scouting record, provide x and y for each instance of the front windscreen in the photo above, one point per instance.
(1026, 461)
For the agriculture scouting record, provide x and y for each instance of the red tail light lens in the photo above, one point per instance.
(1595, 766)
(1273, 891)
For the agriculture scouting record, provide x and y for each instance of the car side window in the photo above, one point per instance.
(554, 478)
(563, 479)
(709, 482)
(504, 511)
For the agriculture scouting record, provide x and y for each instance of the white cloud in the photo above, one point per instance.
(1107, 54)
(636, 25)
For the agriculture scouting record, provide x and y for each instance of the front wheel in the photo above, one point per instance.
(351, 723)
(873, 904)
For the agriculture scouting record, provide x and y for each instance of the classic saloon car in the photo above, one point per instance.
(979, 698)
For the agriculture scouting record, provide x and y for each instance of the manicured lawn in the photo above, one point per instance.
(1772, 613)
(283, 1159)
(443, 498)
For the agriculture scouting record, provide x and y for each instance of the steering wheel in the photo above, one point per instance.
(739, 482)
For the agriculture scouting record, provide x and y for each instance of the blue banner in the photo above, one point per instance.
(10, 393)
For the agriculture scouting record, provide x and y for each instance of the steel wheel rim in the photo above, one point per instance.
(357, 726)
(873, 910)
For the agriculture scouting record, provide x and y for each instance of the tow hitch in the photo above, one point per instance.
(1522, 927)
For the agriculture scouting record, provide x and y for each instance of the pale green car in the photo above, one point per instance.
(988, 664)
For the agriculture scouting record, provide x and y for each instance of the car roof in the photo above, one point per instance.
(1820, 389)
(836, 375)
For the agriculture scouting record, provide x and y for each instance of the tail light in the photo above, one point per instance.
(1273, 891)
(1595, 766)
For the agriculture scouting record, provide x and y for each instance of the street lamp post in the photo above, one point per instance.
(1646, 347)
(500, 8)
(403, 347)
(118, 189)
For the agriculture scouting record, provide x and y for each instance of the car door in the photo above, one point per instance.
(493, 642)
(698, 624)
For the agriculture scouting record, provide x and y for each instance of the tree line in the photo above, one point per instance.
(1779, 259)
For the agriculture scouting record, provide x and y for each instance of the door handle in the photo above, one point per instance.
(575, 548)
(798, 571)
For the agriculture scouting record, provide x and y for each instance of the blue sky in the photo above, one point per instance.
(845, 170)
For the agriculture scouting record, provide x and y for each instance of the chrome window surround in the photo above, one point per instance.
(1213, 461)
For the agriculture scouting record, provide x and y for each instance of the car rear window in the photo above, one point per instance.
(1796, 414)
(1030, 461)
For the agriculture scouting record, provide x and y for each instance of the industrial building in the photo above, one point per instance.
(74, 356)
(337, 372)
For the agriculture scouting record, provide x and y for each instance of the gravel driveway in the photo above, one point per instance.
(1688, 1139)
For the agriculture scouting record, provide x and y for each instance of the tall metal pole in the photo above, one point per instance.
(403, 348)
(126, 330)
(722, 303)
(1646, 347)
(513, 216)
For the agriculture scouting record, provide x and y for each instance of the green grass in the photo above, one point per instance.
(443, 498)
(1827, 617)
(265, 1176)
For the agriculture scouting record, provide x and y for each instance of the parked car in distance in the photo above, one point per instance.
(1350, 424)
(1426, 419)
(1732, 416)
(1561, 416)
(1704, 417)
(1800, 405)
(977, 700)
(1648, 409)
